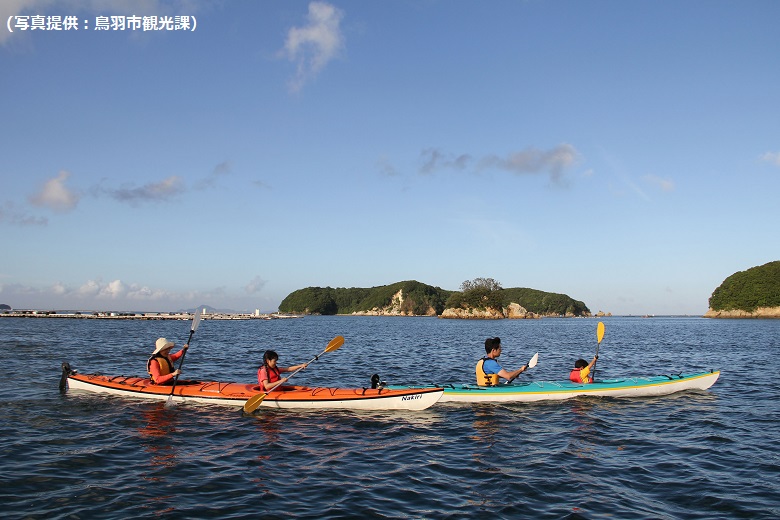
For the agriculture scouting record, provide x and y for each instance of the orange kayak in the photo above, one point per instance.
(236, 394)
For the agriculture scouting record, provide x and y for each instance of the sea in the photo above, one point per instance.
(697, 454)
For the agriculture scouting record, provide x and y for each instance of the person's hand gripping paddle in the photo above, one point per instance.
(531, 364)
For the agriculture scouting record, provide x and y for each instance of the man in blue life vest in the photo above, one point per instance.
(489, 370)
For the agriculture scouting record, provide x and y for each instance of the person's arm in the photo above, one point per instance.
(294, 368)
(511, 375)
(269, 387)
(175, 357)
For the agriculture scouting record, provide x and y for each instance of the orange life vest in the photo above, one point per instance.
(484, 379)
(166, 366)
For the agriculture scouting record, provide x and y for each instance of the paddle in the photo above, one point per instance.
(531, 364)
(193, 328)
(253, 402)
(599, 337)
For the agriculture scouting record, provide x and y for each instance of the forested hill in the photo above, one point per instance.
(754, 291)
(416, 299)
(413, 298)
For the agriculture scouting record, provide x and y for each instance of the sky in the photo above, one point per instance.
(626, 154)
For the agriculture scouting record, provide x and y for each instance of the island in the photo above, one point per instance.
(481, 298)
(754, 293)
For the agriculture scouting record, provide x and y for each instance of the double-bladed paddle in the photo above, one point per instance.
(253, 402)
(599, 337)
(531, 364)
(193, 328)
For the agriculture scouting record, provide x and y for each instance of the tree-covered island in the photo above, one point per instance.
(754, 293)
(482, 298)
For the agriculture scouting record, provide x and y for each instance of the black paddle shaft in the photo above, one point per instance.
(181, 363)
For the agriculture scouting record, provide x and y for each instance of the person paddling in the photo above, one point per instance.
(268, 375)
(581, 371)
(160, 364)
(489, 370)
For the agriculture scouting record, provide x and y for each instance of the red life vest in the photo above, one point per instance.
(576, 375)
(267, 372)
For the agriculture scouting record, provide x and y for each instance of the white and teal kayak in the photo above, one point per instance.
(532, 391)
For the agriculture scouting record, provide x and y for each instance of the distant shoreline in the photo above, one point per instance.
(184, 316)
(145, 315)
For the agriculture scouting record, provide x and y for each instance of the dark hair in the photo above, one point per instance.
(580, 363)
(269, 355)
(492, 343)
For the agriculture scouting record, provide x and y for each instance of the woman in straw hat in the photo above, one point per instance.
(160, 364)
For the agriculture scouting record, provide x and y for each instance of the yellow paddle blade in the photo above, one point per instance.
(335, 344)
(253, 402)
(600, 332)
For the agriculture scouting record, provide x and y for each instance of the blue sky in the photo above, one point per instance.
(624, 153)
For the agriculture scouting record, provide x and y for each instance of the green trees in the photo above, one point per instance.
(420, 299)
(748, 290)
(481, 293)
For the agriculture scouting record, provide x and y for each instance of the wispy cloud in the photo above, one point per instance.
(223, 168)
(151, 192)
(552, 162)
(54, 195)
(386, 168)
(312, 46)
(772, 158)
(9, 213)
(97, 294)
(533, 160)
(434, 159)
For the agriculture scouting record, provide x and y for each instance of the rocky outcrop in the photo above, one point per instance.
(513, 311)
(761, 312)
(394, 309)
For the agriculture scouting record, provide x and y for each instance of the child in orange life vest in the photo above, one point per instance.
(581, 371)
(268, 375)
(160, 364)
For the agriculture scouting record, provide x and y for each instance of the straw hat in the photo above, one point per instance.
(161, 345)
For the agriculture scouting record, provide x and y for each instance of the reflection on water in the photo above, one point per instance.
(158, 429)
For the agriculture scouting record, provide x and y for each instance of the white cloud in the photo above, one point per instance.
(55, 195)
(113, 290)
(255, 285)
(314, 45)
(90, 289)
(533, 160)
(772, 158)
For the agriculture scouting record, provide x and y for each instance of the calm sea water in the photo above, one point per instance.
(713, 454)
